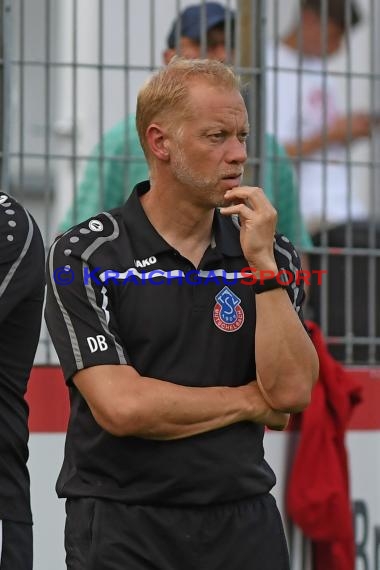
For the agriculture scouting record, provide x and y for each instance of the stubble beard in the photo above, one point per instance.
(186, 175)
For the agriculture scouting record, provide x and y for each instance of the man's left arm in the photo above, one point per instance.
(286, 361)
(287, 371)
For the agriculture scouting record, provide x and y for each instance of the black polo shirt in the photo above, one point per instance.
(118, 293)
(22, 284)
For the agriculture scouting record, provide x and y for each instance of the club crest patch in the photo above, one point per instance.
(228, 314)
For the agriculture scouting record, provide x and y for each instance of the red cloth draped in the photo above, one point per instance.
(318, 497)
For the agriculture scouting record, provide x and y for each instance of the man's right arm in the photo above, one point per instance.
(127, 404)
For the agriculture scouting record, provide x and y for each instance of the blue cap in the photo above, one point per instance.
(189, 22)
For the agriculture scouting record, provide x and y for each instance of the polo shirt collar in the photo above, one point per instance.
(227, 235)
(148, 242)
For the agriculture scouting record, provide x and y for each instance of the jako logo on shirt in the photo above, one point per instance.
(228, 314)
(145, 262)
(97, 342)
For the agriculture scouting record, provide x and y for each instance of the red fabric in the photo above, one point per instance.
(318, 490)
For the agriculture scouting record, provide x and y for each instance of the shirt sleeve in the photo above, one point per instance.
(78, 312)
(289, 264)
(21, 256)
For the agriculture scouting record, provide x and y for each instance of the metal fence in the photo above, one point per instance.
(338, 180)
(70, 72)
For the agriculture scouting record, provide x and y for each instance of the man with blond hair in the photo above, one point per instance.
(117, 163)
(175, 353)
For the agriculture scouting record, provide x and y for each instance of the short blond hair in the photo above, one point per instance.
(165, 96)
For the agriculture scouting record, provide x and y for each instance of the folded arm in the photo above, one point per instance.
(125, 403)
(286, 361)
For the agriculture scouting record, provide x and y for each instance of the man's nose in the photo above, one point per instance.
(237, 151)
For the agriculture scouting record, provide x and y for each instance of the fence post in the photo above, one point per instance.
(376, 23)
(252, 14)
(1, 89)
(5, 95)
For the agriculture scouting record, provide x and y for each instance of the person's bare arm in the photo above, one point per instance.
(125, 403)
(342, 131)
(286, 361)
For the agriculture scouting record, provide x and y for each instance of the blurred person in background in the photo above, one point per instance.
(303, 111)
(22, 285)
(121, 172)
(171, 384)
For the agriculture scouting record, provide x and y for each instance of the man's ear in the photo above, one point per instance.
(157, 142)
(168, 55)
